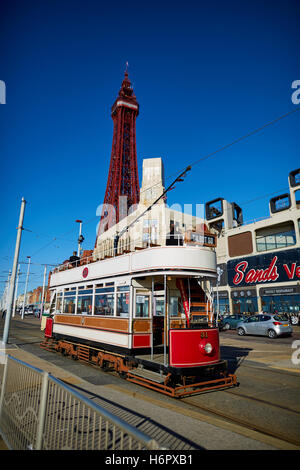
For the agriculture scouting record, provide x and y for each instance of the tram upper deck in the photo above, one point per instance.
(186, 260)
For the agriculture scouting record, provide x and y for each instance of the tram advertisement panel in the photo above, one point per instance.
(282, 266)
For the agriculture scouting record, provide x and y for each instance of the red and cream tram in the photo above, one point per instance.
(146, 314)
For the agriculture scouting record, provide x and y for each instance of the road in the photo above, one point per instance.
(262, 413)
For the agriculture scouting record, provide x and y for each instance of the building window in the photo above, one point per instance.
(223, 305)
(272, 238)
(281, 304)
(246, 306)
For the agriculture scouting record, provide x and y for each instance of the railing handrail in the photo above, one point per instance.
(114, 420)
(126, 249)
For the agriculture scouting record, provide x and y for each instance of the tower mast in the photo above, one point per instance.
(122, 190)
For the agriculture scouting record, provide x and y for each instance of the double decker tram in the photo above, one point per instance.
(146, 314)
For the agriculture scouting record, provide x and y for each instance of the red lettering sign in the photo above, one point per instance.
(240, 269)
(290, 273)
(256, 275)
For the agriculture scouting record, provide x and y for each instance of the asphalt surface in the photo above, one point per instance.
(267, 398)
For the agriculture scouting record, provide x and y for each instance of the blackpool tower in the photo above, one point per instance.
(122, 190)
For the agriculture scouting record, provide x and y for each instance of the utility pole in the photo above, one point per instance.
(16, 293)
(43, 292)
(7, 289)
(11, 290)
(26, 284)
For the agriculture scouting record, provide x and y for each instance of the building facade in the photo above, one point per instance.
(259, 263)
(162, 225)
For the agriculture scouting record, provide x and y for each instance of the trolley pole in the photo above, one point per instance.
(11, 290)
(80, 237)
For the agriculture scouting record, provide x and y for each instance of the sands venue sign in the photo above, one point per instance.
(282, 266)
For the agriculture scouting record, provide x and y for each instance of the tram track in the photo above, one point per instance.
(244, 423)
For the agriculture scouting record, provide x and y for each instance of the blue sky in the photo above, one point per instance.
(204, 73)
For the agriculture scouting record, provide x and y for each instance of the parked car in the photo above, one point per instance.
(265, 325)
(231, 321)
(28, 310)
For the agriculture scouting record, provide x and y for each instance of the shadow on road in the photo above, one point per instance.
(235, 356)
(146, 424)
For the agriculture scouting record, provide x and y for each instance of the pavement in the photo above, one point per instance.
(174, 427)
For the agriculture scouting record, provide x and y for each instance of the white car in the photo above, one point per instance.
(265, 325)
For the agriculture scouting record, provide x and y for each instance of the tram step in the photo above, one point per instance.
(148, 374)
(83, 353)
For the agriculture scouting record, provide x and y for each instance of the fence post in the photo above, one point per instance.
(42, 412)
(3, 385)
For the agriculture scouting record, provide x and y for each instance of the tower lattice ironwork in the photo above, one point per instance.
(122, 190)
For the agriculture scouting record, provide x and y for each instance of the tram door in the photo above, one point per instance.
(158, 319)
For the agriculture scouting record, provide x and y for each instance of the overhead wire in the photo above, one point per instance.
(196, 162)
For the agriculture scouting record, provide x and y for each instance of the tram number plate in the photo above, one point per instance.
(204, 334)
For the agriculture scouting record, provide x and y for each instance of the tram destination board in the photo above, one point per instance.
(200, 238)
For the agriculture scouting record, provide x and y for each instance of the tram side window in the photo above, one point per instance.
(104, 304)
(142, 306)
(84, 304)
(59, 303)
(69, 304)
(123, 304)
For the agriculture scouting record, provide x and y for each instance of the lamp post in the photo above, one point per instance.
(219, 273)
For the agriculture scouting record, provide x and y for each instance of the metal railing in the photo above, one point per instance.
(129, 246)
(40, 412)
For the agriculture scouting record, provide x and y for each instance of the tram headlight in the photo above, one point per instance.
(208, 348)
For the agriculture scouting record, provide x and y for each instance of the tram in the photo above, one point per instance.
(146, 314)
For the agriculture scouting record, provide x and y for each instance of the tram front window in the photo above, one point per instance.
(159, 306)
(142, 306)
